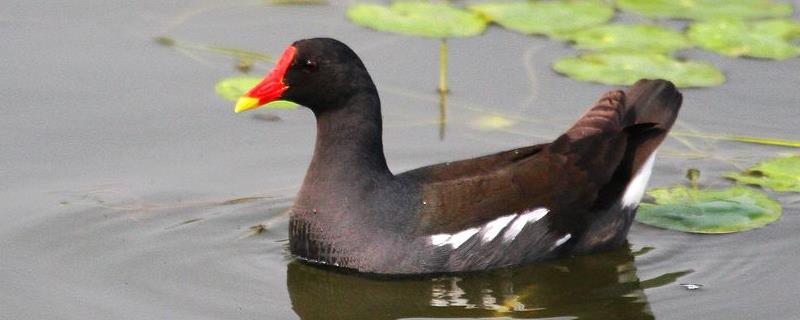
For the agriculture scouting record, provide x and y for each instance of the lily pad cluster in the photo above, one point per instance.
(726, 210)
(730, 27)
(726, 27)
(629, 38)
(551, 18)
(626, 68)
(707, 9)
(768, 39)
(621, 54)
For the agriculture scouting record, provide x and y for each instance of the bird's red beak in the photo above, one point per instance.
(269, 89)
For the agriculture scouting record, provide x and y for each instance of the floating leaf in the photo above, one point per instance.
(707, 9)
(629, 38)
(550, 18)
(709, 211)
(434, 20)
(234, 87)
(490, 122)
(627, 68)
(779, 174)
(764, 39)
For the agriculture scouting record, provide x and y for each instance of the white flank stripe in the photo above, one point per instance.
(522, 221)
(440, 239)
(635, 189)
(455, 240)
(459, 238)
(493, 228)
(561, 241)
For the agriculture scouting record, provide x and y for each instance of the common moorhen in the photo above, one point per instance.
(575, 195)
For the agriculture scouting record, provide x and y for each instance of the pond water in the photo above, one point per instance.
(128, 188)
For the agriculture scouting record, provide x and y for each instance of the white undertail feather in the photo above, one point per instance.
(635, 189)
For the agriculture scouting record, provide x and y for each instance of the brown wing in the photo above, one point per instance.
(564, 176)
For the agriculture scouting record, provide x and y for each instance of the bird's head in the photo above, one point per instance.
(316, 73)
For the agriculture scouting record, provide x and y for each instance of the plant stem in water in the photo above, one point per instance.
(442, 113)
(443, 66)
(693, 175)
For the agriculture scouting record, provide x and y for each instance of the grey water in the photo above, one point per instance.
(128, 188)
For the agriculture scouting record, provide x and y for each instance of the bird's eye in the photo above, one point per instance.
(310, 66)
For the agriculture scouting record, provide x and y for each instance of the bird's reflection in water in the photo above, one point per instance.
(601, 286)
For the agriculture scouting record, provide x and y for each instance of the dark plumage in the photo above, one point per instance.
(575, 195)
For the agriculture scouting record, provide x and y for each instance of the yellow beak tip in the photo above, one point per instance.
(246, 103)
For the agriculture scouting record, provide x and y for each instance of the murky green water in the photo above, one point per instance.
(118, 163)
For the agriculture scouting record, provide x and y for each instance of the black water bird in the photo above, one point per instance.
(575, 195)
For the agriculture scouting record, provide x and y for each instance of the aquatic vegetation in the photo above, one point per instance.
(770, 39)
(551, 18)
(629, 38)
(778, 174)
(234, 87)
(707, 9)
(693, 210)
(627, 68)
(492, 122)
(245, 59)
(423, 19)
(737, 138)
(766, 141)
(233, 52)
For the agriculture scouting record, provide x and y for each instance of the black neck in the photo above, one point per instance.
(349, 147)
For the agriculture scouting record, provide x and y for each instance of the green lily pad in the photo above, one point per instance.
(234, 87)
(779, 174)
(627, 68)
(707, 9)
(550, 18)
(728, 210)
(770, 39)
(424, 19)
(629, 38)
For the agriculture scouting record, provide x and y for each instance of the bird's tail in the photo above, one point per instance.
(616, 137)
(652, 107)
